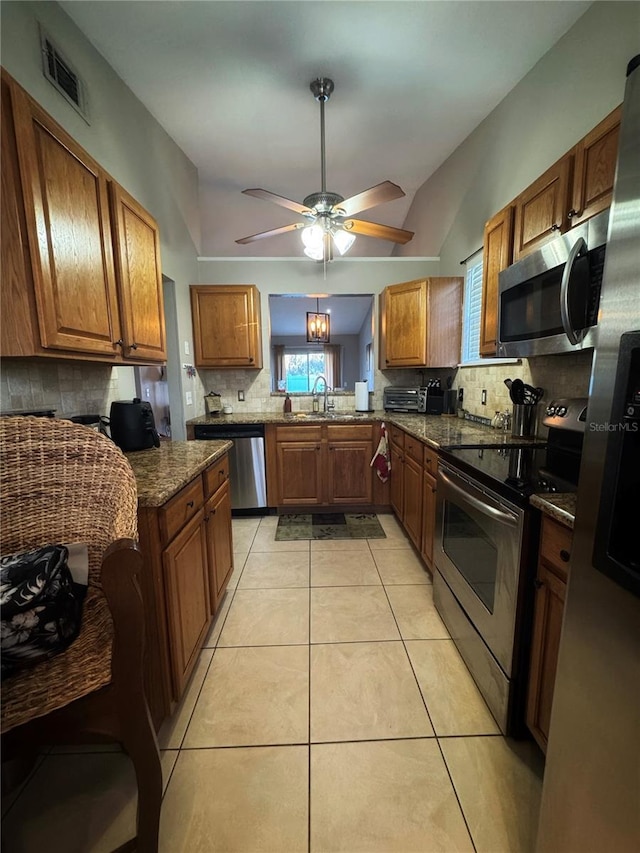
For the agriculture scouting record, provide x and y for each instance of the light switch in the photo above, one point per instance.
(187, 348)
(189, 398)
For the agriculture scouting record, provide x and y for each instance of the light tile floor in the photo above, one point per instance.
(371, 737)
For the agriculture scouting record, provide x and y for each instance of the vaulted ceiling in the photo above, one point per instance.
(229, 81)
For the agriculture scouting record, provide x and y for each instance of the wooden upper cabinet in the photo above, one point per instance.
(421, 323)
(541, 210)
(594, 169)
(68, 228)
(227, 325)
(497, 255)
(136, 241)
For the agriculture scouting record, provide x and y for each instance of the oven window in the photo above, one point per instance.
(471, 549)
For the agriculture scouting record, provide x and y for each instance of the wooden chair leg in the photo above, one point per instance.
(139, 742)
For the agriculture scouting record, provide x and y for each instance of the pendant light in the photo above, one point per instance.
(318, 326)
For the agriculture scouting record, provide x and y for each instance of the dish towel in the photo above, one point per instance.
(381, 461)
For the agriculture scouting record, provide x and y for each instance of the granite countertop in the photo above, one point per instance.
(435, 430)
(561, 507)
(162, 471)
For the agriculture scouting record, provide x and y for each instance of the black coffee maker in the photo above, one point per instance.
(132, 424)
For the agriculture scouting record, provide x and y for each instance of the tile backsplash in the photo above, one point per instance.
(72, 388)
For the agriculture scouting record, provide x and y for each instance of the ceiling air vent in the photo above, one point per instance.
(61, 74)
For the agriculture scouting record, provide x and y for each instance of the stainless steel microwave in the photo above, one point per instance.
(548, 301)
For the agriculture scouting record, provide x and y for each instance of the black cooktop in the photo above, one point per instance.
(516, 472)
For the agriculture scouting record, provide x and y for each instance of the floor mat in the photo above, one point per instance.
(329, 525)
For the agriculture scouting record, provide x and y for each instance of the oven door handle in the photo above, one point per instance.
(485, 509)
(574, 335)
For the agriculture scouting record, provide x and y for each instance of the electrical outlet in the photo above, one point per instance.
(187, 348)
(241, 396)
(189, 398)
(483, 399)
(147, 392)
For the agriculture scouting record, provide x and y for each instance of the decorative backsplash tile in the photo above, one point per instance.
(71, 388)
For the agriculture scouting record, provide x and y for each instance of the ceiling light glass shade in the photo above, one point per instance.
(314, 252)
(343, 240)
(312, 238)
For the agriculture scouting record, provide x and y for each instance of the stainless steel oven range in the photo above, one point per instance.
(486, 548)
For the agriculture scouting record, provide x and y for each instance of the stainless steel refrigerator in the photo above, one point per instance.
(591, 789)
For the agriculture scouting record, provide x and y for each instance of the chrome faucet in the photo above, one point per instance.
(325, 407)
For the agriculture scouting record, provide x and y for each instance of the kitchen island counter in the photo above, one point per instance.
(561, 507)
(162, 471)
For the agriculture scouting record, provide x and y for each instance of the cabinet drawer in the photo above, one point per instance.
(349, 432)
(298, 433)
(396, 436)
(177, 511)
(216, 475)
(430, 461)
(555, 546)
(413, 449)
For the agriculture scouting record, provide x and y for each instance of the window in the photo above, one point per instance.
(301, 369)
(472, 310)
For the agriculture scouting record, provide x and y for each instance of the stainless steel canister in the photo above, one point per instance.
(524, 419)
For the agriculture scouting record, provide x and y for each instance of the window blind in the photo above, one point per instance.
(472, 309)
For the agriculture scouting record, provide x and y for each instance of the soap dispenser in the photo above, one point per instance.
(287, 404)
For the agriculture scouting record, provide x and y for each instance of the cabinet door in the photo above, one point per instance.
(226, 325)
(541, 210)
(219, 543)
(405, 324)
(139, 273)
(69, 232)
(497, 255)
(349, 472)
(547, 624)
(300, 473)
(595, 168)
(396, 481)
(413, 500)
(428, 518)
(187, 599)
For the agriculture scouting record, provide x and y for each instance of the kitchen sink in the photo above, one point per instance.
(328, 416)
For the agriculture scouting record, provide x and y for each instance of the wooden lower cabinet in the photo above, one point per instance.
(188, 559)
(219, 543)
(551, 585)
(396, 488)
(428, 518)
(320, 465)
(349, 478)
(412, 500)
(186, 578)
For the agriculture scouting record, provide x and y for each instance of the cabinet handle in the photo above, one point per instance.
(250, 361)
(133, 346)
(207, 517)
(317, 447)
(538, 583)
(555, 227)
(213, 512)
(221, 475)
(565, 556)
(118, 343)
(190, 504)
(572, 213)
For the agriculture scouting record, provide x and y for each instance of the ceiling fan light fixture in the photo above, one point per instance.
(314, 252)
(343, 240)
(312, 239)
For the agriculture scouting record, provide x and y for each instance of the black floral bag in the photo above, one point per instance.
(39, 609)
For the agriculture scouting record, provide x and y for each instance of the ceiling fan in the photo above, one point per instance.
(328, 216)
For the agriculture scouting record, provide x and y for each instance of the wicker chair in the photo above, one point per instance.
(63, 483)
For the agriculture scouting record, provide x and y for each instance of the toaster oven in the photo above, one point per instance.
(404, 399)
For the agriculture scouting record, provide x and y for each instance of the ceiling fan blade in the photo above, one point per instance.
(386, 191)
(271, 233)
(278, 199)
(382, 232)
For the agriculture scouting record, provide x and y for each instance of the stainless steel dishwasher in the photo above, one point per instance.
(246, 462)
